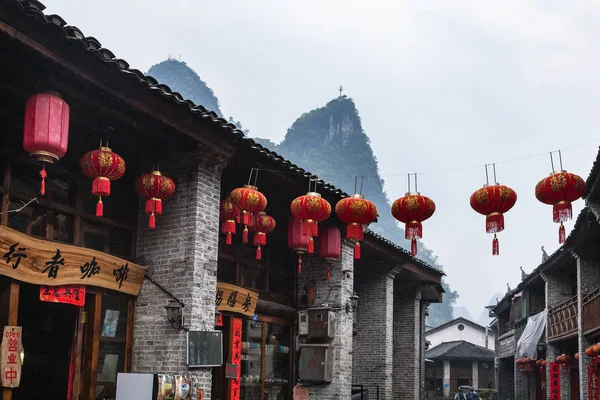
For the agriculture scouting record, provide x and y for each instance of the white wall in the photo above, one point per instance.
(451, 333)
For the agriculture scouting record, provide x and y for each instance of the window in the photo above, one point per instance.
(461, 327)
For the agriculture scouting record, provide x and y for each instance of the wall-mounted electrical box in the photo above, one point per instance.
(321, 323)
(303, 322)
(316, 363)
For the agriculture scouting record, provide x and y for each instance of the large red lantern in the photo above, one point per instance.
(560, 189)
(412, 209)
(250, 201)
(261, 225)
(228, 214)
(102, 166)
(330, 247)
(46, 130)
(154, 187)
(297, 241)
(310, 209)
(355, 211)
(493, 201)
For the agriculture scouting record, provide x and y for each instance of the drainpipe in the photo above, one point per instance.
(486, 336)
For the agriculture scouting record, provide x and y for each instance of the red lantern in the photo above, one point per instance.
(311, 209)
(528, 362)
(560, 189)
(520, 363)
(102, 166)
(330, 247)
(493, 201)
(261, 225)
(154, 187)
(228, 214)
(355, 211)
(564, 361)
(250, 201)
(296, 240)
(46, 130)
(412, 209)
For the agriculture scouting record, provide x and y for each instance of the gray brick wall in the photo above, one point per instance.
(522, 385)
(506, 378)
(475, 374)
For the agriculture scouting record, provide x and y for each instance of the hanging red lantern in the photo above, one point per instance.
(330, 247)
(563, 360)
(250, 201)
(310, 209)
(560, 189)
(355, 211)
(154, 187)
(520, 363)
(46, 130)
(296, 240)
(261, 225)
(412, 209)
(102, 166)
(493, 201)
(528, 362)
(228, 214)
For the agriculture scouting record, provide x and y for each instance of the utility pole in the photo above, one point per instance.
(341, 88)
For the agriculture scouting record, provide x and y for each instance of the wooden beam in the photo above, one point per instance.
(95, 344)
(427, 275)
(129, 334)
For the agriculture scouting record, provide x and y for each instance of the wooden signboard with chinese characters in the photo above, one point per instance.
(41, 262)
(235, 299)
(10, 353)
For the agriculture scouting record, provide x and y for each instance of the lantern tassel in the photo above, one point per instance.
(43, 175)
(413, 247)
(311, 245)
(357, 251)
(561, 234)
(562, 211)
(99, 208)
(494, 223)
(245, 235)
(152, 221)
(328, 273)
(228, 240)
(310, 228)
(258, 253)
(495, 246)
(354, 231)
(299, 264)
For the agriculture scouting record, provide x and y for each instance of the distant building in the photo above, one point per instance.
(461, 329)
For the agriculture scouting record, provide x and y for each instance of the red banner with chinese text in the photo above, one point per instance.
(236, 357)
(68, 294)
(10, 356)
(593, 390)
(554, 381)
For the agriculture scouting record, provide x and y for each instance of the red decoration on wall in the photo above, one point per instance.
(69, 294)
(236, 357)
(593, 382)
(250, 201)
(102, 166)
(46, 130)
(154, 187)
(228, 214)
(310, 209)
(564, 360)
(261, 225)
(296, 240)
(355, 211)
(412, 209)
(330, 247)
(554, 381)
(559, 190)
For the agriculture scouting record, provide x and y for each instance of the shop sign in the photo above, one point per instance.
(41, 262)
(300, 393)
(235, 299)
(554, 381)
(10, 353)
(69, 294)
(236, 358)
(231, 370)
(593, 389)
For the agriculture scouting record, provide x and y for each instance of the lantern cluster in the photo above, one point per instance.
(249, 201)
(412, 209)
(594, 353)
(541, 364)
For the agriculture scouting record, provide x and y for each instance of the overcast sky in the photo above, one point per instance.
(438, 84)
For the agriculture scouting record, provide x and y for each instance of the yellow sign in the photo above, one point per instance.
(235, 299)
(10, 353)
(41, 262)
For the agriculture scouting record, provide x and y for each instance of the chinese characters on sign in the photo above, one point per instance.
(70, 294)
(236, 357)
(10, 353)
(554, 381)
(235, 299)
(593, 389)
(300, 393)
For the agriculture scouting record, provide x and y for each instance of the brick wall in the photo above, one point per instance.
(475, 374)
(506, 378)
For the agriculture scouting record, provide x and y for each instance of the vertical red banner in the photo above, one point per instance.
(236, 357)
(593, 390)
(554, 381)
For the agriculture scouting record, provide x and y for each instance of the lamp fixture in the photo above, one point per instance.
(352, 305)
(175, 314)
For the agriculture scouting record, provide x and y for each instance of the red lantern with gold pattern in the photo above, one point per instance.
(330, 247)
(355, 211)
(310, 209)
(296, 240)
(228, 214)
(493, 201)
(412, 209)
(559, 190)
(102, 166)
(154, 187)
(46, 130)
(261, 225)
(250, 201)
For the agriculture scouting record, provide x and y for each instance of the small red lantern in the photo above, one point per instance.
(330, 247)
(413, 209)
(520, 363)
(154, 187)
(563, 360)
(228, 214)
(46, 130)
(528, 362)
(250, 201)
(310, 209)
(540, 364)
(102, 166)
(355, 211)
(493, 201)
(560, 189)
(261, 225)
(296, 240)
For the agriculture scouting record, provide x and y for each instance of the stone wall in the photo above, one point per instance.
(506, 378)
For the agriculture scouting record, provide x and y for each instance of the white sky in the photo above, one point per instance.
(438, 84)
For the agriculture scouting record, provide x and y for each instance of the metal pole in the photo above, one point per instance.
(551, 161)
(416, 187)
(560, 160)
(487, 179)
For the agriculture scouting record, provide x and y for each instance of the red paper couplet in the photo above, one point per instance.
(236, 357)
(69, 294)
(554, 381)
(593, 383)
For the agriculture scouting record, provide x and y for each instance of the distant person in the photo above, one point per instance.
(460, 395)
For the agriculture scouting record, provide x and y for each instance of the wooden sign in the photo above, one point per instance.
(593, 383)
(41, 262)
(69, 294)
(300, 393)
(236, 357)
(554, 381)
(235, 299)
(10, 356)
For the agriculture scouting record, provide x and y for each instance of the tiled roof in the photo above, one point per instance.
(459, 350)
(455, 321)
(593, 176)
(34, 9)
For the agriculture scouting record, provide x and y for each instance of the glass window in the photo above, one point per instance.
(253, 278)
(30, 220)
(277, 362)
(251, 360)
(93, 236)
(63, 227)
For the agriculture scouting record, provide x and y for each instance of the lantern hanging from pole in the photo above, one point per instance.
(311, 209)
(250, 201)
(261, 225)
(46, 130)
(330, 247)
(296, 240)
(412, 209)
(228, 214)
(559, 190)
(154, 187)
(493, 201)
(103, 166)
